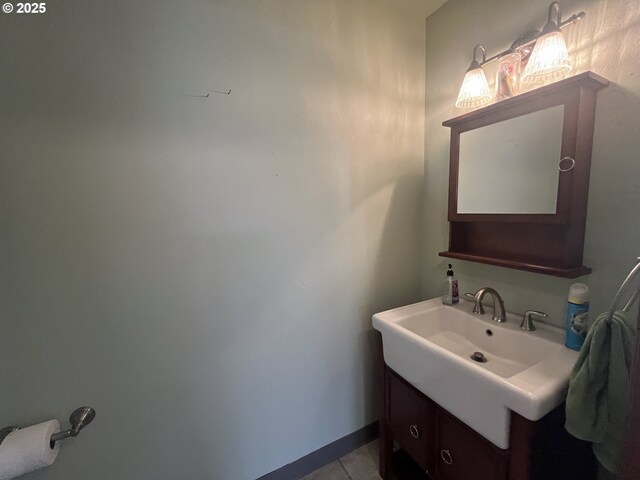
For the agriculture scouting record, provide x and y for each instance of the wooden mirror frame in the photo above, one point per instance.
(551, 244)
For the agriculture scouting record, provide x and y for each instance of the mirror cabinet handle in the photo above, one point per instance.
(571, 164)
(413, 430)
(446, 457)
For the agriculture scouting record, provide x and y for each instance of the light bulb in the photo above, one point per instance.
(550, 57)
(474, 91)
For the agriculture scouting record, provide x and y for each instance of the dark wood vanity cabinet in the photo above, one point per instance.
(420, 440)
(437, 442)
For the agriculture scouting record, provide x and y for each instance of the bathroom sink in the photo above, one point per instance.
(431, 346)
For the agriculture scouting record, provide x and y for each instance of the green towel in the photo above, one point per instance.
(598, 398)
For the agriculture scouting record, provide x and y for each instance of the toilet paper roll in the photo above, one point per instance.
(28, 449)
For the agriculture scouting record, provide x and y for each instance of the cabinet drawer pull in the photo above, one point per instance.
(446, 457)
(413, 430)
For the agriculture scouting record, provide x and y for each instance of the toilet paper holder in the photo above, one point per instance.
(80, 418)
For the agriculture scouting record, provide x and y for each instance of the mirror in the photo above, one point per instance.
(510, 205)
(512, 166)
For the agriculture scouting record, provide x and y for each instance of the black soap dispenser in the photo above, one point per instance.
(451, 296)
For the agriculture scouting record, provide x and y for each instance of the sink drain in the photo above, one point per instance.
(479, 357)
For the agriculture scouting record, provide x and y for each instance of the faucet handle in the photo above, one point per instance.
(527, 322)
(478, 308)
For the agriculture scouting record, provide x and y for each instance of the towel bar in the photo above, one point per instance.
(614, 305)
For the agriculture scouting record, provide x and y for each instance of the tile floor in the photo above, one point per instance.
(361, 464)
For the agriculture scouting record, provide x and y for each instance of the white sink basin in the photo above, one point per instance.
(430, 344)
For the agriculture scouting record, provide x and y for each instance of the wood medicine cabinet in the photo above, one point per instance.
(519, 179)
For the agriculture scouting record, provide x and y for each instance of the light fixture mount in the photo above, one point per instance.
(475, 63)
(552, 26)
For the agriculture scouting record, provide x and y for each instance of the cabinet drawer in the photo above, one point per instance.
(411, 419)
(462, 454)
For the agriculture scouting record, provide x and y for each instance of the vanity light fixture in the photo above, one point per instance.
(548, 60)
(475, 88)
(550, 57)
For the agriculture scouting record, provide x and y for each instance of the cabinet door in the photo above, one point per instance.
(411, 419)
(462, 454)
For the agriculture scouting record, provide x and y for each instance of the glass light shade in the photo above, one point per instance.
(508, 76)
(474, 91)
(549, 59)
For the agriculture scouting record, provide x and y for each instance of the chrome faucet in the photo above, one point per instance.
(499, 315)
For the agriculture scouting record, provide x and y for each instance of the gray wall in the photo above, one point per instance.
(605, 42)
(203, 271)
